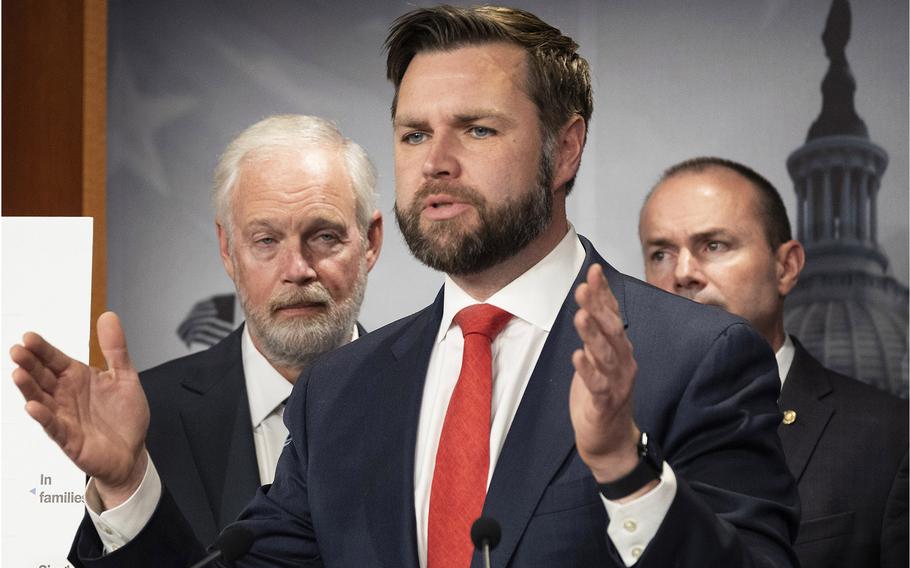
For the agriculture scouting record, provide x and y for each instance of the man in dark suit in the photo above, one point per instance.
(717, 232)
(216, 432)
(541, 388)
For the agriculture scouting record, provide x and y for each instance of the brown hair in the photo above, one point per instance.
(559, 81)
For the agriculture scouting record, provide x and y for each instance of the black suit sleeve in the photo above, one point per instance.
(736, 502)
(166, 540)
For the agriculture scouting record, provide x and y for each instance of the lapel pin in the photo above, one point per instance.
(789, 417)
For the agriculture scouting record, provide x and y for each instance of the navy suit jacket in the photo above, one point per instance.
(343, 494)
(847, 449)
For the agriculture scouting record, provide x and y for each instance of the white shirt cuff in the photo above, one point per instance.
(633, 524)
(119, 525)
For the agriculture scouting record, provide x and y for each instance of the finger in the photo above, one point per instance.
(30, 369)
(113, 342)
(47, 419)
(595, 340)
(601, 291)
(49, 356)
(594, 382)
(602, 332)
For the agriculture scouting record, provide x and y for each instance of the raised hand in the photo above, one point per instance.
(600, 400)
(98, 418)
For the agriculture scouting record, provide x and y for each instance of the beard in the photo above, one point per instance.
(295, 342)
(503, 230)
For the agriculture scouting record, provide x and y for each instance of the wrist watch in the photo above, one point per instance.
(650, 465)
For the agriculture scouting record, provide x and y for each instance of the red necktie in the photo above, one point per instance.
(463, 458)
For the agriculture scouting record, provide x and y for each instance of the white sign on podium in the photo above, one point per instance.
(46, 288)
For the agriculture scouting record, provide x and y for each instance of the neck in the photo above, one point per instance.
(289, 373)
(482, 285)
(777, 335)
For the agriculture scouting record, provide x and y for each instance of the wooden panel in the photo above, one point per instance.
(94, 153)
(54, 125)
(42, 108)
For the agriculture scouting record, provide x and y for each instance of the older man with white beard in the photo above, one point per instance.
(298, 233)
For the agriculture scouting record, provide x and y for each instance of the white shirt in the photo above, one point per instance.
(266, 390)
(784, 358)
(534, 299)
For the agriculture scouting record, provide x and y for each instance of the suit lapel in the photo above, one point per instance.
(216, 417)
(803, 392)
(541, 435)
(394, 435)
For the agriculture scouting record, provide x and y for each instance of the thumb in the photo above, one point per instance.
(113, 342)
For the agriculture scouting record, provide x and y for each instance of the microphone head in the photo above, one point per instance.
(485, 530)
(234, 541)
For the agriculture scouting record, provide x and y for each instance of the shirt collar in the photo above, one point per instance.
(535, 297)
(266, 388)
(784, 357)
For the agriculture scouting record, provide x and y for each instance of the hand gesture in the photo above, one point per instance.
(98, 418)
(600, 400)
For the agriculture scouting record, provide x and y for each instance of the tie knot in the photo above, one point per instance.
(483, 319)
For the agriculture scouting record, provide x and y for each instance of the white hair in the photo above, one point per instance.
(298, 132)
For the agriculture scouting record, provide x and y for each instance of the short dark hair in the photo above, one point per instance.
(773, 214)
(559, 81)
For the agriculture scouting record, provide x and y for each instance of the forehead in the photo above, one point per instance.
(710, 199)
(293, 180)
(491, 74)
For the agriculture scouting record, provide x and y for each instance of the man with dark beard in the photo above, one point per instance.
(600, 421)
(298, 232)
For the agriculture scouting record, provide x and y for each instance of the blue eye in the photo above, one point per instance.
(482, 132)
(414, 137)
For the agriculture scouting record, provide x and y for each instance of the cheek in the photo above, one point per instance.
(339, 276)
(258, 279)
(660, 275)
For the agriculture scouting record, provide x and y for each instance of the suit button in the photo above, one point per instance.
(630, 525)
(636, 552)
(789, 417)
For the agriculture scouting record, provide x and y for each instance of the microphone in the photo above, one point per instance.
(233, 542)
(485, 534)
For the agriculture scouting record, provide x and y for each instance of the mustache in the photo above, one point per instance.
(460, 192)
(314, 293)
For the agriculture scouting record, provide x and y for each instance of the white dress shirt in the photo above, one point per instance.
(266, 390)
(784, 358)
(534, 299)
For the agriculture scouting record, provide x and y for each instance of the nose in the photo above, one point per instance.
(687, 274)
(296, 267)
(441, 161)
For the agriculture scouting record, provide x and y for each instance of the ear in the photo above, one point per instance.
(374, 239)
(225, 248)
(569, 146)
(790, 258)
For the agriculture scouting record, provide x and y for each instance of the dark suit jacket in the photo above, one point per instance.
(200, 436)
(847, 449)
(706, 391)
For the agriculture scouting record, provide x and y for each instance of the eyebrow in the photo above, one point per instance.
(697, 237)
(711, 234)
(460, 119)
